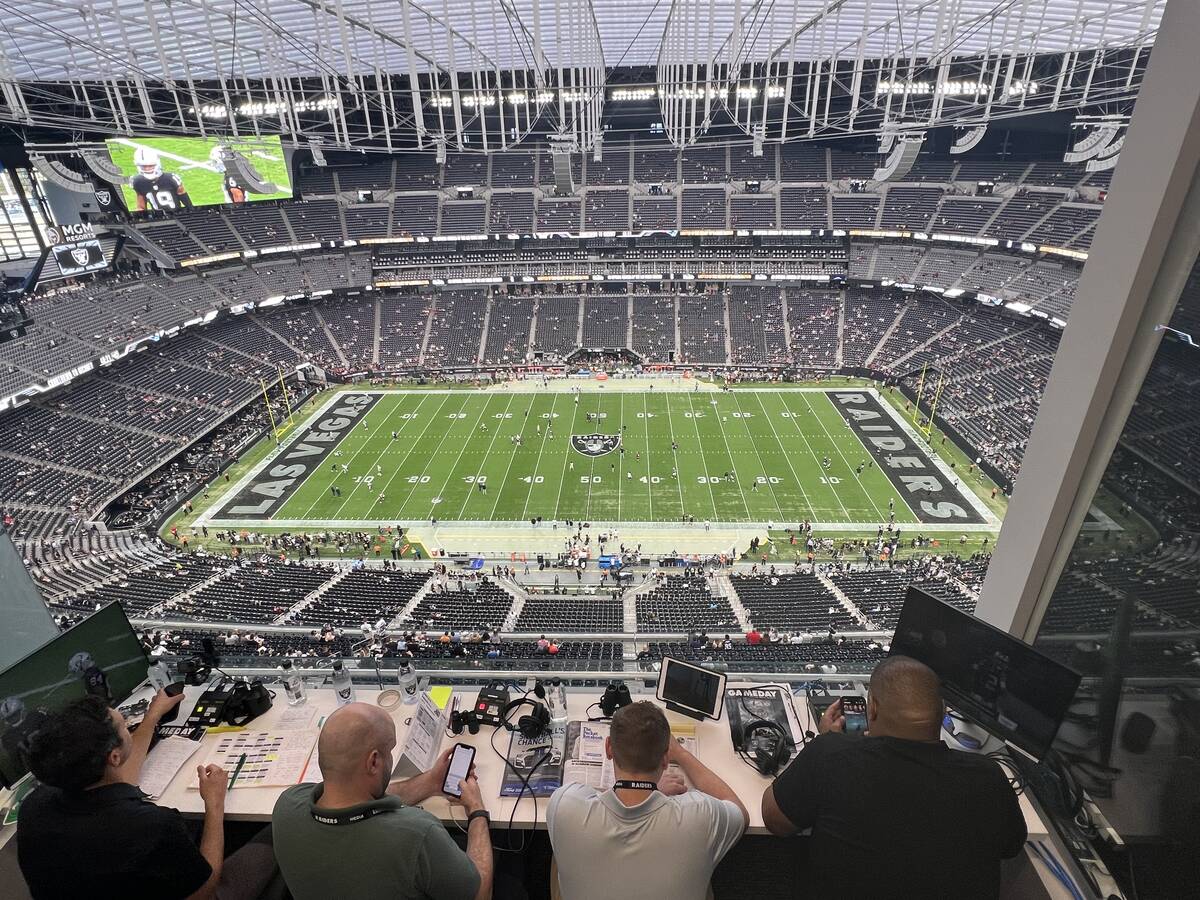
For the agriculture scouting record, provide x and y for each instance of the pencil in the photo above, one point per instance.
(237, 769)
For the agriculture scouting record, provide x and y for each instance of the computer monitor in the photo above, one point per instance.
(101, 655)
(689, 689)
(1012, 690)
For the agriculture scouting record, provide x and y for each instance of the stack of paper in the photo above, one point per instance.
(164, 763)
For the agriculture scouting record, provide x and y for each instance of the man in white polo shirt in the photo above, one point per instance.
(648, 837)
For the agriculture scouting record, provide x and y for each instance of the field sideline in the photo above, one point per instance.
(773, 441)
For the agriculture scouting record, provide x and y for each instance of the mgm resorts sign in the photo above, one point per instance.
(69, 233)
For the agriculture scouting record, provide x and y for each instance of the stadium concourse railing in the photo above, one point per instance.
(366, 667)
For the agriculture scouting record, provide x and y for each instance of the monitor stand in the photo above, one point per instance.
(699, 717)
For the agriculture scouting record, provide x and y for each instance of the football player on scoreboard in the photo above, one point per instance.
(234, 191)
(156, 189)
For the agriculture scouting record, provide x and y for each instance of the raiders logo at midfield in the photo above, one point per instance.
(595, 444)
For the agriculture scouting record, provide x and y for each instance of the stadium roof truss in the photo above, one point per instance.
(484, 74)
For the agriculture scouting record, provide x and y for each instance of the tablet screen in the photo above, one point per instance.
(691, 687)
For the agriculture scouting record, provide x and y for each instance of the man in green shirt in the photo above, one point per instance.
(357, 835)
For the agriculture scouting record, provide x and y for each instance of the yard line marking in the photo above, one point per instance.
(512, 457)
(432, 456)
(838, 447)
(700, 442)
(483, 411)
(487, 453)
(587, 512)
(537, 462)
(649, 475)
(754, 444)
(787, 456)
(350, 463)
(566, 459)
(804, 437)
(678, 480)
(396, 471)
(621, 440)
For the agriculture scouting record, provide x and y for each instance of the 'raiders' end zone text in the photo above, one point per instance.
(931, 497)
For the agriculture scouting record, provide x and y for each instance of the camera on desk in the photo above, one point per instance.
(230, 703)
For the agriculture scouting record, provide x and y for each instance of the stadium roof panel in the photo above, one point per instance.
(204, 39)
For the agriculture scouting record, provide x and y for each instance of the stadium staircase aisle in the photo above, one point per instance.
(839, 355)
(886, 335)
(519, 596)
(898, 363)
(721, 586)
(847, 604)
(337, 348)
(156, 612)
(487, 321)
(289, 614)
(405, 614)
(378, 312)
(629, 609)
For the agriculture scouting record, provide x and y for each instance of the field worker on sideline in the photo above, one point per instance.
(649, 836)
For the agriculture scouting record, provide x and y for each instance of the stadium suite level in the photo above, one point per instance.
(763, 456)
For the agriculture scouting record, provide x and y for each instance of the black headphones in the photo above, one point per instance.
(767, 746)
(246, 702)
(532, 725)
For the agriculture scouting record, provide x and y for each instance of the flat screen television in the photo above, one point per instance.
(101, 655)
(1017, 693)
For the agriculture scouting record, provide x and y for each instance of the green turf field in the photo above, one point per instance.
(773, 442)
(188, 158)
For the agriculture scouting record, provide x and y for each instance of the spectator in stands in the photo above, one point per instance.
(87, 831)
(927, 817)
(334, 840)
(648, 836)
(753, 636)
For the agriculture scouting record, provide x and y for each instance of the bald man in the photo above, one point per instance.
(897, 813)
(359, 834)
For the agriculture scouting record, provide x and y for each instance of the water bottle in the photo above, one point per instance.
(408, 683)
(562, 698)
(293, 684)
(556, 702)
(343, 686)
(159, 675)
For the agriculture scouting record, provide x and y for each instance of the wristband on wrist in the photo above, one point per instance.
(479, 814)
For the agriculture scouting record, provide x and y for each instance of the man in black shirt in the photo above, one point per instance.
(87, 831)
(897, 813)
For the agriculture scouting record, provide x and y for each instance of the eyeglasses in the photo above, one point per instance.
(965, 740)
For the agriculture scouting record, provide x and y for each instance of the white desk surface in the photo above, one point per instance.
(712, 738)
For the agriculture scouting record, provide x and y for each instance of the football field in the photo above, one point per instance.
(837, 457)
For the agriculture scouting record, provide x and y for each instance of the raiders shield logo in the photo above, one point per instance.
(80, 255)
(595, 444)
(104, 197)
